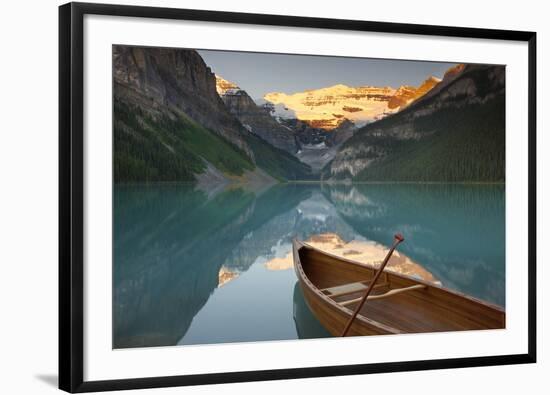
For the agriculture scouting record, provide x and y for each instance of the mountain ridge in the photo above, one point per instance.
(254, 118)
(311, 145)
(170, 124)
(454, 133)
(175, 120)
(328, 107)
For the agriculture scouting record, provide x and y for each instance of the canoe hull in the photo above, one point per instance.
(431, 309)
(330, 315)
(334, 320)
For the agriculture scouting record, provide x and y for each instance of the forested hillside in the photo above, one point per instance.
(455, 134)
(165, 149)
(171, 125)
(470, 148)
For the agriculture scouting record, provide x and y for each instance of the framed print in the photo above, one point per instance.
(253, 197)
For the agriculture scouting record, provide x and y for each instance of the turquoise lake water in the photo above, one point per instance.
(195, 267)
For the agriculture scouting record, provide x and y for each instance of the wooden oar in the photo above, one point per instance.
(398, 238)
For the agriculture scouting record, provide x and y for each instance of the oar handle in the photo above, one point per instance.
(397, 238)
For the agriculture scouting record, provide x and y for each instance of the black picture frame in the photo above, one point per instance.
(71, 195)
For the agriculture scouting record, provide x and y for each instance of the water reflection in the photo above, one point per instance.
(194, 267)
(307, 326)
(457, 232)
(170, 243)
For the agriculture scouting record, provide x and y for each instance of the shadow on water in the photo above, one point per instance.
(174, 246)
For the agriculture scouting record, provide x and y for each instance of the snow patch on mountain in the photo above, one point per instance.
(279, 111)
(328, 107)
(224, 87)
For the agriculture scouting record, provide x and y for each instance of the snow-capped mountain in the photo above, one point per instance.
(437, 138)
(280, 127)
(255, 118)
(328, 107)
(226, 87)
(278, 111)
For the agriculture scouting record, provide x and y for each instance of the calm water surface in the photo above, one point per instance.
(195, 267)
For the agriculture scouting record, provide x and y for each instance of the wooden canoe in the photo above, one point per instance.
(333, 286)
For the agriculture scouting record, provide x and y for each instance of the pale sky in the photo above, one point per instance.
(261, 73)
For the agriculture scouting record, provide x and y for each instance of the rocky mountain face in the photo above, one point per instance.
(255, 118)
(407, 94)
(314, 146)
(225, 87)
(455, 132)
(327, 108)
(317, 146)
(175, 120)
(177, 80)
(170, 124)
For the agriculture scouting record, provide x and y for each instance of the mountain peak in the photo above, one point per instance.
(405, 88)
(460, 109)
(455, 70)
(224, 87)
(338, 87)
(427, 86)
(432, 78)
(274, 97)
(327, 107)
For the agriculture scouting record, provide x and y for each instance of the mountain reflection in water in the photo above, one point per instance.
(175, 246)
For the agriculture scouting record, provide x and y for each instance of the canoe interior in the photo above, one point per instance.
(429, 309)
